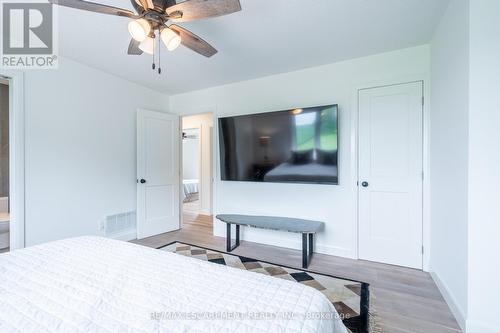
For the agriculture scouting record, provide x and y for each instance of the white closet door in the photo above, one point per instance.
(390, 174)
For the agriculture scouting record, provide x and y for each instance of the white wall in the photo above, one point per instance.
(334, 83)
(449, 155)
(80, 148)
(465, 100)
(191, 155)
(205, 123)
(484, 162)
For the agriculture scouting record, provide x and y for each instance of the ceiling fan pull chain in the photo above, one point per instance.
(159, 55)
(154, 49)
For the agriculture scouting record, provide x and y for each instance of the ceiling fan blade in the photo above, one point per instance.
(137, 6)
(195, 43)
(191, 10)
(146, 4)
(93, 7)
(133, 48)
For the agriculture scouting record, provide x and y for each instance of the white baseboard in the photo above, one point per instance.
(456, 310)
(126, 236)
(290, 244)
(288, 240)
(474, 326)
(205, 211)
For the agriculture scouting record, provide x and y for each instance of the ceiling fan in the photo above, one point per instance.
(151, 23)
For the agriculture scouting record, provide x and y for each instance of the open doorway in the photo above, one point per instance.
(197, 178)
(4, 166)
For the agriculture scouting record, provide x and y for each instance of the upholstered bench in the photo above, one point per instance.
(306, 227)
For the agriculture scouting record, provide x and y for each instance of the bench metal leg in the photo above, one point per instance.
(230, 247)
(307, 249)
(304, 250)
(311, 240)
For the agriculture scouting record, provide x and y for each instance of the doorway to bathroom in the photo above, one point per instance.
(4, 166)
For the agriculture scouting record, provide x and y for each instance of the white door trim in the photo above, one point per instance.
(423, 79)
(16, 158)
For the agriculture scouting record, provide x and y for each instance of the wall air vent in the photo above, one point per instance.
(120, 226)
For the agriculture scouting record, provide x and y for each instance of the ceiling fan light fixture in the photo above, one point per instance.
(147, 45)
(139, 29)
(170, 38)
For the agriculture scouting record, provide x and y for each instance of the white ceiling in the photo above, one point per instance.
(267, 37)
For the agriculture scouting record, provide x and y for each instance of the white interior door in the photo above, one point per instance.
(390, 174)
(157, 173)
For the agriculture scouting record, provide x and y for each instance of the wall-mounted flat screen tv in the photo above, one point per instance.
(292, 146)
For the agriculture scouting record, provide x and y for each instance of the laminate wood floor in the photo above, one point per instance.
(406, 300)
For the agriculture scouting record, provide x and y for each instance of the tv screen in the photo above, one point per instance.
(292, 146)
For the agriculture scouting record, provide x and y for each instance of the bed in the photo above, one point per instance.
(302, 173)
(190, 187)
(94, 284)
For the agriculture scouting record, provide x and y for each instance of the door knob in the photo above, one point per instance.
(364, 184)
(143, 181)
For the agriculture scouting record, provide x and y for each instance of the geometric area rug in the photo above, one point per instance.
(350, 298)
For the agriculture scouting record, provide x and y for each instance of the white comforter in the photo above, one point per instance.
(93, 284)
(190, 187)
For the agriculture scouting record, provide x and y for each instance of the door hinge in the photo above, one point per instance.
(422, 250)
(423, 100)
